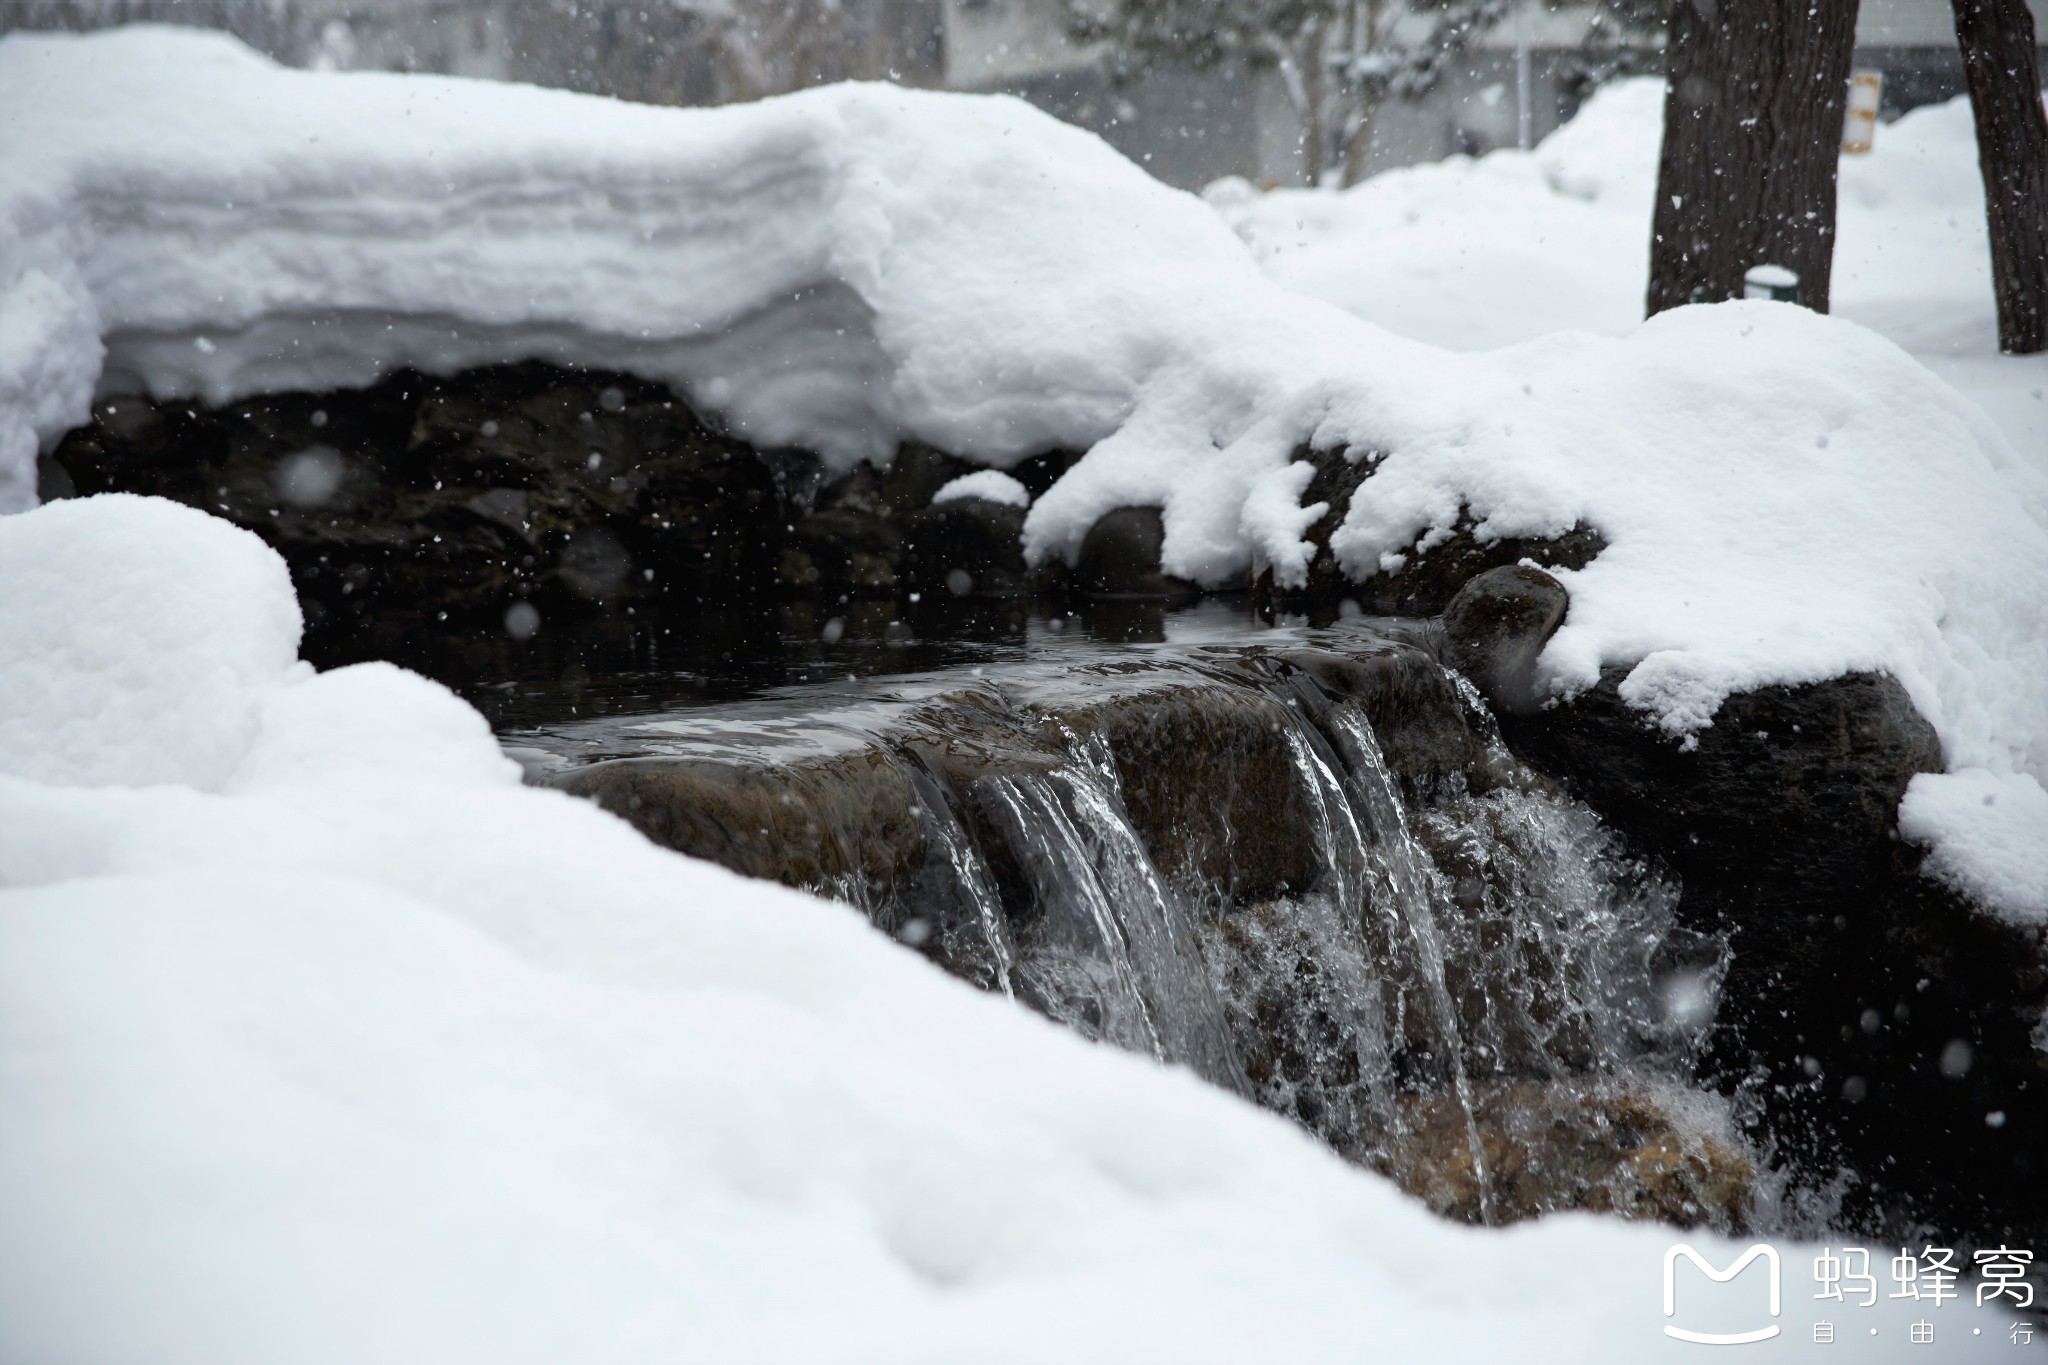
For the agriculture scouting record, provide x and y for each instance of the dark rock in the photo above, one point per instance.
(1495, 627)
(1208, 779)
(1780, 822)
(463, 496)
(845, 824)
(1414, 709)
(1427, 579)
(967, 547)
(1119, 557)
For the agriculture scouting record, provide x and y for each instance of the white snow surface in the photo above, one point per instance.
(365, 1051)
(990, 485)
(1785, 496)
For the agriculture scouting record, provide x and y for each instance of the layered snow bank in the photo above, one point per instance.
(1785, 497)
(368, 1052)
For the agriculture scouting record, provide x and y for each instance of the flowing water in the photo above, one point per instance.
(1466, 984)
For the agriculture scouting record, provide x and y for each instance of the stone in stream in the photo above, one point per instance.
(1551, 1146)
(1495, 627)
(1120, 557)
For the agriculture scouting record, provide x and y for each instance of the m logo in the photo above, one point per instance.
(1769, 1255)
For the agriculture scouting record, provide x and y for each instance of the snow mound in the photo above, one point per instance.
(991, 485)
(142, 642)
(379, 1055)
(1785, 497)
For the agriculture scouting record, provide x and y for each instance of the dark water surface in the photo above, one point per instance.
(619, 665)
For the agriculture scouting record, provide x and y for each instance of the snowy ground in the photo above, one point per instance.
(1475, 254)
(322, 1038)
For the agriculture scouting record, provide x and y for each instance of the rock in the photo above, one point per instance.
(1495, 627)
(1848, 966)
(463, 496)
(1208, 779)
(1413, 708)
(1427, 580)
(844, 824)
(1601, 1146)
(1119, 557)
(968, 547)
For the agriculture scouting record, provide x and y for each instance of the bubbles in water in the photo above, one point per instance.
(595, 459)
(897, 633)
(612, 399)
(1871, 1021)
(834, 628)
(308, 478)
(959, 582)
(320, 417)
(915, 932)
(522, 620)
(1957, 1059)
(1349, 608)
(489, 429)
(1855, 1090)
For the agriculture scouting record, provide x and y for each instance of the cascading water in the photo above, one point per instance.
(1460, 983)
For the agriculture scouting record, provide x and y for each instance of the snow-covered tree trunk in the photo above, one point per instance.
(1752, 144)
(2012, 150)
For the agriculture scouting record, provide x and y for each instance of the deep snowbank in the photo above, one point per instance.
(334, 1042)
(1785, 497)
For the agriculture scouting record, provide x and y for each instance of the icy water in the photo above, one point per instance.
(1473, 990)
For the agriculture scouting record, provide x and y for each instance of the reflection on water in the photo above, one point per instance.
(617, 664)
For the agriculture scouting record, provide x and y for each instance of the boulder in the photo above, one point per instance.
(1119, 557)
(1496, 625)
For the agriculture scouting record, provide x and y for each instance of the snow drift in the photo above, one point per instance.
(327, 1040)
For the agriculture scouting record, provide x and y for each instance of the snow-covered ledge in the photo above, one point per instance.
(1784, 498)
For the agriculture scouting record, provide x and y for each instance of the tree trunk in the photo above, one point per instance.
(2012, 151)
(1752, 142)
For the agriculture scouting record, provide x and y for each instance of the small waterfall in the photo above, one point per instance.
(1112, 952)
(1455, 975)
(969, 901)
(1407, 870)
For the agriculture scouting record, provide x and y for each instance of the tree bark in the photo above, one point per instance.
(2012, 151)
(1752, 142)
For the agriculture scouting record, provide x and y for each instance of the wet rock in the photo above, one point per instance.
(1119, 557)
(1495, 627)
(1414, 709)
(844, 824)
(1550, 1146)
(1207, 776)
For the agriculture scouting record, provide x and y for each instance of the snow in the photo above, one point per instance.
(372, 1053)
(1511, 248)
(1785, 497)
(991, 485)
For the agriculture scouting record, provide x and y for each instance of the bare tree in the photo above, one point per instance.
(1752, 142)
(1339, 59)
(1997, 37)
